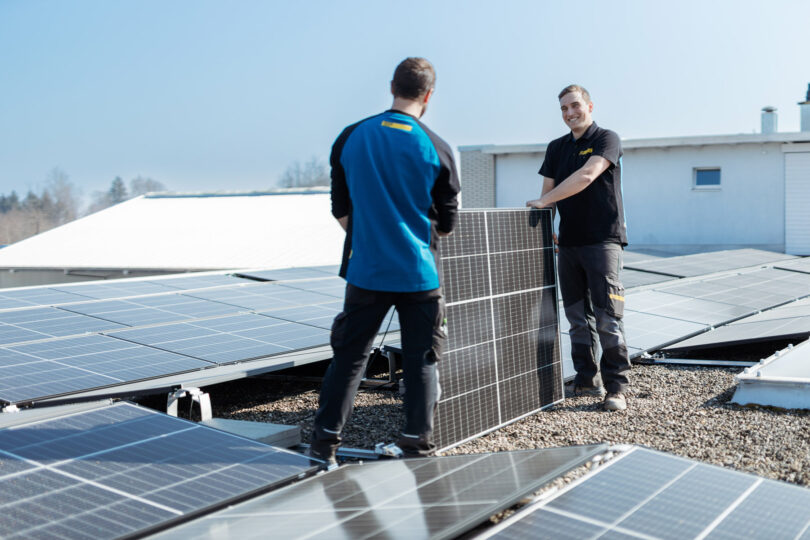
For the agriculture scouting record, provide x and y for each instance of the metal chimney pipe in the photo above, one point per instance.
(804, 107)
(769, 118)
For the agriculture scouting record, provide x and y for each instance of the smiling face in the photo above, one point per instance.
(576, 112)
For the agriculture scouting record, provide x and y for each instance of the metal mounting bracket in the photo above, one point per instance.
(197, 396)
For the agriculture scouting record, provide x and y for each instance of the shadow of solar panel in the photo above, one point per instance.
(647, 494)
(122, 470)
(426, 498)
(498, 275)
(52, 368)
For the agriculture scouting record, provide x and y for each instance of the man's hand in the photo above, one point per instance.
(539, 203)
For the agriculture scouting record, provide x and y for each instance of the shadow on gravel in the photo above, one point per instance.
(721, 400)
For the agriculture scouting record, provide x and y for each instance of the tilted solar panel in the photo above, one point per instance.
(436, 497)
(123, 470)
(502, 357)
(648, 494)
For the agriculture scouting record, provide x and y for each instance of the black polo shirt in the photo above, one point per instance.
(596, 214)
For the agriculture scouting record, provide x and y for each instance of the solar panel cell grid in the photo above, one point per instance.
(498, 273)
(440, 497)
(647, 494)
(122, 470)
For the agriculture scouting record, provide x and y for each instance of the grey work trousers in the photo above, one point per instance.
(593, 298)
(421, 320)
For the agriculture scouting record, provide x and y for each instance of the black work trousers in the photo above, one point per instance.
(593, 298)
(421, 320)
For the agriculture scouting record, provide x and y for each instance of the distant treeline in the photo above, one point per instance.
(59, 203)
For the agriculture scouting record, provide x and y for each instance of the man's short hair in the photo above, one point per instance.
(575, 88)
(413, 78)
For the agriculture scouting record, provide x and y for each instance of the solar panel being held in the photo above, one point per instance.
(502, 356)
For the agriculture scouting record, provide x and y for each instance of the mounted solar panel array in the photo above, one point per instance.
(438, 498)
(796, 265)
(790, 321)
(502, 356)
(49, 352)
(123, 470)
(708, 263)
(648, 494)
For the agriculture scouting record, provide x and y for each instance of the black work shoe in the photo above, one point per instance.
(581, 390)
(322, 457)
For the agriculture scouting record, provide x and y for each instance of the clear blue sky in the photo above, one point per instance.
(212, 95)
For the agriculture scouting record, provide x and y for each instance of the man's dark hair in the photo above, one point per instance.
(413, 78)
(576, 88)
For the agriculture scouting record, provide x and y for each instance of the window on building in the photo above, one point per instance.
(707, 178)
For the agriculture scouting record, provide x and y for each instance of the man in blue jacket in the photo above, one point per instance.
(394, 191)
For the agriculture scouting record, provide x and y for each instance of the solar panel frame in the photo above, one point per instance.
(290, 274)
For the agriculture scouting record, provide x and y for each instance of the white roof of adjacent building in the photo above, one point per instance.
(192, 232)
(663, 142)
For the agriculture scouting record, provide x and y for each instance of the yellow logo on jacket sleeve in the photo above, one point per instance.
(586, 152)
(397, 125)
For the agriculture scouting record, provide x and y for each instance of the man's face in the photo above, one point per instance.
(576, 112)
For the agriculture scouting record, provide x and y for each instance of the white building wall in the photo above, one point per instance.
(663, 208)
(517, 180)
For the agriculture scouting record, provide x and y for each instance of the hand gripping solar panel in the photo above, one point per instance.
(648, 494)
(437, 497)
(123, 470)
(502, 356)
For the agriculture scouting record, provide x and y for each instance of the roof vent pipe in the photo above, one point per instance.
(804, 106)
(768, 120)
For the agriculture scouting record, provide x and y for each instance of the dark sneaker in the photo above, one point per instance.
(615, 402)
(323, 457)
(580, 390)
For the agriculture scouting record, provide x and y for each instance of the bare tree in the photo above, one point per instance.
(312, 173)
(118, 192)
(65, 197)
(142, 186)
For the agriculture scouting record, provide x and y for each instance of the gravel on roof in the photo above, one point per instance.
(683, 410)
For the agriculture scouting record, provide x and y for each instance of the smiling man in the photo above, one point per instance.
(582, 179)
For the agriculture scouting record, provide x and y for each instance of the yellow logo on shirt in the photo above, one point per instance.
(586, 152)
(397, 125)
